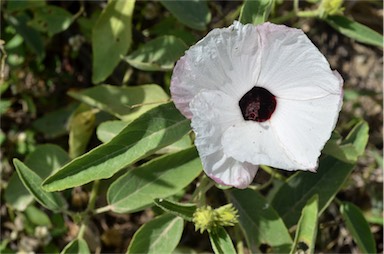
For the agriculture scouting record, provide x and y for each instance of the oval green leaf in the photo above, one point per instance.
(183, 210)
(194, 14)
(358, 227)
(111, 37)
(126, 103)
(306, 231)
(159, 54)
(255, 12)
(156, 179)
(155, 129)
(221, 242)
(50, 19)
(260, 222)
(79, 246)
(160, 235)
(355, 30)
(32, 181)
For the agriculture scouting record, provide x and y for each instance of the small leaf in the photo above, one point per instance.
(358, 227)
(306, 231)
(79, 246)
(156, 179)
(221, 242)
(194, 14)
(32, 38)
(183, 210)
(352, 147)
(54, 124)
(44, 160)
(81, 125)
(126, 103)
(260, 222)
(290, 199)
(159, 54)
(255, 12)
(51, 201)
(37, 216)
(160, 235)
(355, 30)
(155, 129)
(111, 37)
(50, 19)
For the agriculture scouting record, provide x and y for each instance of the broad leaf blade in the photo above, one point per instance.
(358, 227)
(111, 37)
(160, 235)
(155, 179)
(51, 19)
(221, 242)
(52, 201)
(260, 222)
(183, 210)
(306, 231)
(290, 199)
(44, 160)
(255, 12)
(194, 14)
(126, 103)
(159, 54)
(355, 30)
(155, 129)
(79, 246)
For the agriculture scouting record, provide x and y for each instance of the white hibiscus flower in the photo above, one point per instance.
(257, 95)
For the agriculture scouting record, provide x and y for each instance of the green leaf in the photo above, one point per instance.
(138, 188)
(352, 147)
(13, 6)
(81, 125)
(355, 30)
(51, 201)
(160, 235)
(221, 242)
(43, 161)
(290, 199)
(50, 19)
(358, 227)
(155, 129)
(260, 222)
(54, 124)
(159, 54)
(306, 231)
(109, 129)
(194, 14)
(37, 216)
(183, 210)
(255, 12)
(126, 103)
(111, 37)
(79, 246)
(32, 38)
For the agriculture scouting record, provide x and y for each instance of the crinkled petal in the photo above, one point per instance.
(292, 67)
(225, 60)
(213, 112)
(256, 143)
(303, 127)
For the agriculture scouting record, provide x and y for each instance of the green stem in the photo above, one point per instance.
(308, 14)
(102, 209)
(83, 226)
(273, 172)
(204, 185)
(93, 196)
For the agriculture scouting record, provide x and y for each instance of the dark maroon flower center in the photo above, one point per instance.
(258, 104)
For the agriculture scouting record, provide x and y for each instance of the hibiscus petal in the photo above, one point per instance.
(256, 143)
(213, 112)
(217, 63)
(292, 67)
(303, 127)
